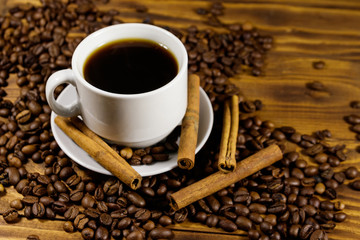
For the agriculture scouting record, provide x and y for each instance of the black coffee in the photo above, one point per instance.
(130, 66)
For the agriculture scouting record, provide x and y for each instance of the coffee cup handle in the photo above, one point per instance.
(56, 79)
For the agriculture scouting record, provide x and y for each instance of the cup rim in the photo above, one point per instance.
(182, 65)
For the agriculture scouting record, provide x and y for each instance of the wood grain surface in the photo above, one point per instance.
(304, 32)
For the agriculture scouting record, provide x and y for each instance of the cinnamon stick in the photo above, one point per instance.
(190, 125)
(227, 161)
(220, 180)
(110, 160)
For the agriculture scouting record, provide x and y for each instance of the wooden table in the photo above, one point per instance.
(304, 31)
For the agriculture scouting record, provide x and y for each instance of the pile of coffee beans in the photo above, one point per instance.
(146, 156)
(293, 198)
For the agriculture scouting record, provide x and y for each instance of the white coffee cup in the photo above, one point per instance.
(134, 120)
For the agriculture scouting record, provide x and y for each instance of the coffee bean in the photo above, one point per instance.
(68, 226)
(135, 235)
(60, 187)
(59, 206)
(105, 219)
(30, 200)
(340, 217)
(124, 223)
(243, 223)
(149, 225)
(165, 220)
(319, 235)
(161, 233)
(89, 212)
(87, 233)
(49, 213)
(256, 218)
(200, 216)
(227, 225)
(257, 208)
(38, 209)
(16, 204)
(102, 233)
(11, 216)
(212, 221)
(181, 215)
(318, 65)
(351, 172)
(306, 231)
(136, 199)
(13, 174)
(253, 234)
(330, 193)
(355, 185)
(87, 201)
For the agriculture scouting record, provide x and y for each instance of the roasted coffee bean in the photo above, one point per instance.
(351, 172)
(11, 216)
(266, 227)
(161, 233)
(16, 204)
(244, 223)
(102, 233)
(227, 225)
(330, 193)
(89, 212)
(49, 213)
(212, 221)
(76, 195)
(30, 200)
(105, 219)
(68, 226)
(253, 234)
(339, 177)
(340, 217)
(142, 215)
(355, 185)
(124, 223)
(165, 220)
(306, 231)
(213, 203)
(59, 207)
(181, 215)
(136, 199)
(257, 208)
(80, 221)
(111, 186)
(135, 235)
(13, 175)
(294, 230)
(200, 216)
(60, 187)
(28, 212)
(132, 209)
(319, 235)
(120, 213)
(276, 208)
(39, 190)
(241, 195)
(241, 209)
(318, 65)
(271, 218)
(33, 237)
(256, 218)
(38, 209)
(88, 201)
(87, 233)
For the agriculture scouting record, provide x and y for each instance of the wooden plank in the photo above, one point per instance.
(304, 31)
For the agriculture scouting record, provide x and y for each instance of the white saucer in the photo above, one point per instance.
(81, 157)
